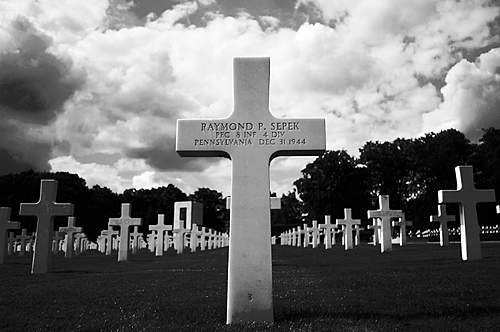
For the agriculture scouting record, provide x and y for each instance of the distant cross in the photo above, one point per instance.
(251, 137)
(152, 241)
(124, 222)
(160, 228)
(385, 214)
(298, 236)
(79, 248)
(178, 234)
(109, 234)
(56, 240)
(376, 230)
(327, 230)
(402, 223)
(203, 239)
(314, 233)
(11, 243)
(305, 231)
(135, 235)
(5, 225)
(442, 218)
(467, 196)
(347, 223)
(22, 241)
(295, 234)
(70, 231)
(45, 210)
(357, 239)
(193, 237)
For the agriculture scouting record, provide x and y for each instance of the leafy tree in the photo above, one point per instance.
(331, 183)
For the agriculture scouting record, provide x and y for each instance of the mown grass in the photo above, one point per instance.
(418, 287)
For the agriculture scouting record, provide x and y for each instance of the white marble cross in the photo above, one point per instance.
(135, 235)
(376, 230)
(160, 229)
(22, 241)
(45, 210)
(109, 234)
(70, 231)
(402, 223)
(11, 243)
(79, 243)
(56, 241)
(327, 230)
(203, 239)
(305, 231)
(124, 222)
(5, 225)
(193, 237)
(347, 223)
(178, 234)
(467, 196)
(357, 239)
(315, 235)
(442, 218)
(385, 214)
(251, 137)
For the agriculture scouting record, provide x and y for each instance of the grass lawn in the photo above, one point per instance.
(418, 287)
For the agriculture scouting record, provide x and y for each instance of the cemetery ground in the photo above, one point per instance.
(418, 287)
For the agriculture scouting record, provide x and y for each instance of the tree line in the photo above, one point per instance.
(410, 171)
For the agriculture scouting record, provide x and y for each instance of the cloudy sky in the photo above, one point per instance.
(95, 87)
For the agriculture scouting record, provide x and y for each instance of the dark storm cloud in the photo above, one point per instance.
(162, 156)
(34, 85)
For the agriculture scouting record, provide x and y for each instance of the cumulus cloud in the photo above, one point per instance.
(471, 96)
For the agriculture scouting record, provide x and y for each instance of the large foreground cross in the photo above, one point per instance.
(45, 210)
(467, 196)
(251, 137)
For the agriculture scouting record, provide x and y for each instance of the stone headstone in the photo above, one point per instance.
(160, 229)
(70, 231)
(467, 196)
(5, 225)
(251, 137)
(124, 222)
(385, 214)
(45, 210)
(348, 223)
